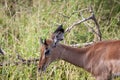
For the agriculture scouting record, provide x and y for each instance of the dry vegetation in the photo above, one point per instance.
(22, 22)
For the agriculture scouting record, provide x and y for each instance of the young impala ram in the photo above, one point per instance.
(101, 59)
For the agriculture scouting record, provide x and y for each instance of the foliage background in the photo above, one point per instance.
(22, 22)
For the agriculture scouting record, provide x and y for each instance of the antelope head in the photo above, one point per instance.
(49, 52)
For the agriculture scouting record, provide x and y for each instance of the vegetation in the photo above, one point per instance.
(22, 22)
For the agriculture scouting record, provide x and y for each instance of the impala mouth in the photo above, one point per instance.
(42, 69)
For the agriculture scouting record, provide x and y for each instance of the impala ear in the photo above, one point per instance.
(43, 41)
(59, 29)
(58, 35)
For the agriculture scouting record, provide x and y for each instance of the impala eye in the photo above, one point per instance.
(47, 52)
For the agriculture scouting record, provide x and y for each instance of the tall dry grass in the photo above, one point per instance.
(23, 24)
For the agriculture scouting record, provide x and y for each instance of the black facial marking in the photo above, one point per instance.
(47, 52)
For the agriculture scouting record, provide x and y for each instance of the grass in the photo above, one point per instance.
(20, 33)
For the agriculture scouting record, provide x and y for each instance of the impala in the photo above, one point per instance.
(101, 59)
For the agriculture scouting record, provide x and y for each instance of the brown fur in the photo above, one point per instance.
(101, 59)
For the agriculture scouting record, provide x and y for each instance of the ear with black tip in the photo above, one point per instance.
(59, 29)
(43, 41)
(58, 35)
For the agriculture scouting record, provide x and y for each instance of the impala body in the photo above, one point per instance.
(101, 59)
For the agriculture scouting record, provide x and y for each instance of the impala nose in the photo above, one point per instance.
(39, 69)
(43, 68)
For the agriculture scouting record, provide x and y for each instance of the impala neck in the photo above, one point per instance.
(75, 56)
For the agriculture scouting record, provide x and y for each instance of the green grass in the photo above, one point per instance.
(20, 33)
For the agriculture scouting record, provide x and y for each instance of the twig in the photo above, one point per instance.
(21, 60)
(92, 17)
(82, 44)
(2, 51)
(24, 61)
(96, 32)
(80, 10)
(97, 29)
(76, 23)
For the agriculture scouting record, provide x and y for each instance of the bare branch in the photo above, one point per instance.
(28, 60)
(2, 51)
(76, 23)
(82, 44)
(22, 61)
(96, 31)
(88, 25)
(80, 10)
